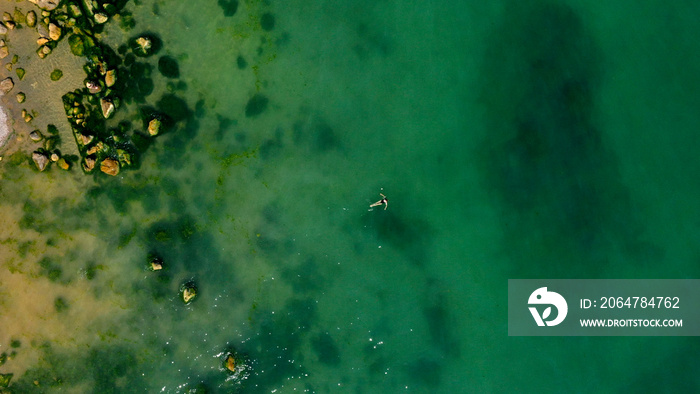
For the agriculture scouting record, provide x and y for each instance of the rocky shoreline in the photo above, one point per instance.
(110, 79)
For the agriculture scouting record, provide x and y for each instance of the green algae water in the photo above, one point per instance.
(512, 140)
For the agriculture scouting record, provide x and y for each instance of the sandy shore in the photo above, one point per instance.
(43, 96)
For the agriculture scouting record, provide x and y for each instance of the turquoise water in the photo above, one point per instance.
(546, 140)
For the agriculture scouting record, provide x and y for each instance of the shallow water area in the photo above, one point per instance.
(287, 120)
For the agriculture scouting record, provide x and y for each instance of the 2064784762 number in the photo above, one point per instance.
(639, 302)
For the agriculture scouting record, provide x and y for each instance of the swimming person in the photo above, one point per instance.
(384, 201)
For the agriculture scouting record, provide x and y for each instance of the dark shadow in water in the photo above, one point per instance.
(437, 315)
(105, 369)
(409, 235)
(279, 342)
(304, 277)
(229, 7)
(425, 371)
(326, 349)
(317, 133)
(653, 377)
(168, 66)
(564, 206)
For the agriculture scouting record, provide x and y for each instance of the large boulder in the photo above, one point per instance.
(89, 163)
(47, 5)
(6, 85)
(188, 291)
(110, 167)
(54, 32)
(110, 78)
(154, 127)
(41, 160)
(107, 107)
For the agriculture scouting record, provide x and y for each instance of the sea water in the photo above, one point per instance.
(535, 140)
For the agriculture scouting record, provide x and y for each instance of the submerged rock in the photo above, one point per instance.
(62, 163)
(31, 18)
(5, 379)
(40, 160)
(256, 105)
(6, 85)
(4, 52)
(110, 167)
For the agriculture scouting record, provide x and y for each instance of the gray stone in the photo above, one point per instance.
(47, 5)
(3, 29)
(6, 85)
(42, 29)
(40, 160)
(35, 136)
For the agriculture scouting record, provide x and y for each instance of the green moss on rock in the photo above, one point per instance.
(56, 75)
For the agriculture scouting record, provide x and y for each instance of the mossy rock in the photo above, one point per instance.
(56, 75)
(5, 379)
(77, 45)
(20, 73)
(154, 262)
(188, 292)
